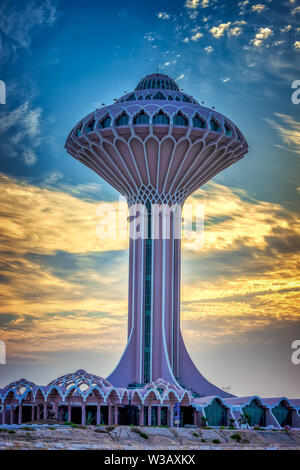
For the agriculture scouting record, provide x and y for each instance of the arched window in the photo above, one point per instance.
(78, 132)
(161, 118)
(167, 85)
(283, 414)
(239, 138)
(140, 97)
(148, 97)
(228, 131)
(153, 83)
(90, 126)
(163, 84)
(198, 122)
(131, 98)
(170, 98)
(186, 99)
(215, 126)
(106, 122)
(216, 414)
(180, 120)
(256, 413)
(159, 96)
(122, 120)
(177, 98)
(141, 118)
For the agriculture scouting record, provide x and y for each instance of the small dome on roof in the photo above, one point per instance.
(159, 81)
(79, 378)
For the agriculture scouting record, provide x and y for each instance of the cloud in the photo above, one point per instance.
(17, 25)
(225, 80)
(62, 288)
(219, 31)
(180, 77)
(286, 28)
(295, 10)
(263, 33)
(22, 128)
(196, 36)
(259, 8)
(163, 15)
(193, 4)
(236, 31)
(289, 131)
(297, 44)
(208, 49)
(151, 37)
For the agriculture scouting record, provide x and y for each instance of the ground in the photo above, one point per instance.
(134, 438)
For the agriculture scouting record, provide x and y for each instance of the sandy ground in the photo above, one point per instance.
(131, 438)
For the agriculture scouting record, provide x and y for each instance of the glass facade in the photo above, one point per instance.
(283, 414)
(180, 120)
(148, 290)
(106, 122)
(161, 118)
(216, 414)
(141, 119)
(197, 122)
(123, 120)
(256, 412)
(214, 126)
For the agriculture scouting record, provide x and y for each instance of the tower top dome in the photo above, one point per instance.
(157, 80)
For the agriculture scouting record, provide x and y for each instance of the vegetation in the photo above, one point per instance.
(144, 435)
(216, 441)
(236, 437)
(195, 434)
(245, 419)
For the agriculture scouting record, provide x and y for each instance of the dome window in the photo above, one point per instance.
(104, 123)
(180, 120)
(78, 132)
(159, 96)
(170, 98)
(122, 120)
(228, 131)
(141, 118)
(198, 122)
(186, 99)
(131, 98)
(161, 118)
(90, 126)
(215, 126)
(148, 97)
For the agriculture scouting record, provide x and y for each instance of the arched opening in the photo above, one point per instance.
(141, 118)
(131, 98)
(104, 123)
(283, 414)
(216, 414)
(90, 126)
(256, 413)
(180, 120)
(123, 120)
(228, 130)
(159, 96)
(198, 122)
(215, 126)
(161, 118)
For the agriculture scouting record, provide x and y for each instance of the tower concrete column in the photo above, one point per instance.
(149, 415)
(69, 413)
(98, 420)
(20, 414)
(171, 416)
(4, 414)
(116, 414)
(32, 413)
(45, 411)
(141, 416)
(83, 414)
(158, 415)
(110, 414)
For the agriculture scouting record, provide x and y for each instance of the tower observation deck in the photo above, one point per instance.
(156, 146)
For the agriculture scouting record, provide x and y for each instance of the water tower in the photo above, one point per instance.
(156, 146)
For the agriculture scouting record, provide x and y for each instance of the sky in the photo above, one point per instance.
(63, 290)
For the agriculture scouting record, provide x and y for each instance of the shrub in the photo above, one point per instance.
(203, 440)
(11, 431)
(144, 435)
(68, 423)
(236, 437)
(195, 434)
(216, 441)
(73, 425)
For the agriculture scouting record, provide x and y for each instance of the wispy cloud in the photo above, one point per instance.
(17, 25)
(288, 129)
